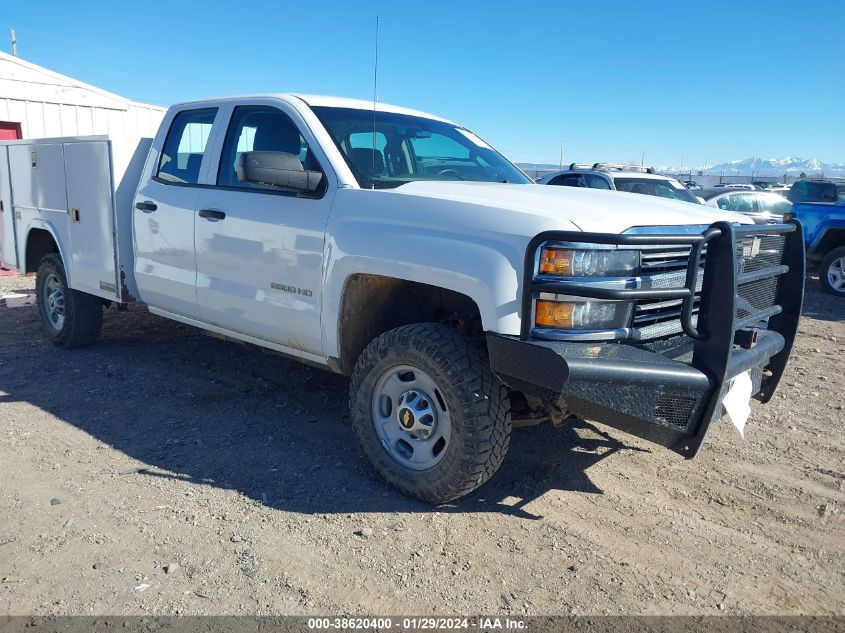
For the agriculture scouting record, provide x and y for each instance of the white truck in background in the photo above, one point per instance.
(402, 250)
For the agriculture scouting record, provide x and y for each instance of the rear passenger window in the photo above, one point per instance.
(597, 182)
(739, 202)
(568, 180)
(181, 156)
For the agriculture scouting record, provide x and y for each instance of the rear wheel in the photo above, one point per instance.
(428, 413)
(69, 318)
(832, 272)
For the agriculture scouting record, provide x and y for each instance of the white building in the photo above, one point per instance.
(38, 103)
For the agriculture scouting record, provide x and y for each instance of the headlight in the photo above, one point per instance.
(588, 263)
(582, 315)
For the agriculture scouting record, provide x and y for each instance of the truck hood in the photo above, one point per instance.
(592, 210)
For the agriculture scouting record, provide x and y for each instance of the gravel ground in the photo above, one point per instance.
(163, 471)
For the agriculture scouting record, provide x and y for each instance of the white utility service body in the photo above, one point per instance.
(198, 238)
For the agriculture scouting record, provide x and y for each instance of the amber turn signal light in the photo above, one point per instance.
(556, 314)
(556, 261)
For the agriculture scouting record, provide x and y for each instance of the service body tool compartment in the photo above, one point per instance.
(91, 218)
(8, 247)
(39, 197)
(64, 186)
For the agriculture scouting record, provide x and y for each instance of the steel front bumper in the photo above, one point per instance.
(669, 392)
(648, 394)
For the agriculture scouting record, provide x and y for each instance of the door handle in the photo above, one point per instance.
(212, 214)
(146, 206)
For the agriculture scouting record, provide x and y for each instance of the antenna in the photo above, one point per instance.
(14, 42)
(375, 99)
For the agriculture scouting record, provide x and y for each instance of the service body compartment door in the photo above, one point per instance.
(8, 247)
(90, 206)
(39, 197)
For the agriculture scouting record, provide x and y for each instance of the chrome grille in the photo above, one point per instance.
(664, 268)
(755, 253)
(767, 252)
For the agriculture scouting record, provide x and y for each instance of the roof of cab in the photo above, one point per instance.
(362, 104)
(327, 101)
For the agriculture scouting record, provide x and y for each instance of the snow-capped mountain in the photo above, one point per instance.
(769, 167)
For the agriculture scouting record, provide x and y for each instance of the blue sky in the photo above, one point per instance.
(706, 81)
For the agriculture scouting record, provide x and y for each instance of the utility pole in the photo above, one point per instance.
(561, 153)
(642, 159)
(14, 42)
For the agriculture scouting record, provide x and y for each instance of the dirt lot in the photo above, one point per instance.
(164, 471)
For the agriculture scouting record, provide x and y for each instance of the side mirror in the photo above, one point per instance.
(701, 200)
(278, 169)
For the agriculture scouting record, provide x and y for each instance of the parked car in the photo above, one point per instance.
(815, 190)
(764, 207)
(736, 185)
(459, 297)
(627, 178)
(781, 190)
(824, 237)
(762, 184)
(692, 185)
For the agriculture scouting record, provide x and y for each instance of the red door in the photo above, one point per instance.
(9, 131)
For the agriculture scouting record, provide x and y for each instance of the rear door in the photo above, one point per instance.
(259, 248)
(163, 212)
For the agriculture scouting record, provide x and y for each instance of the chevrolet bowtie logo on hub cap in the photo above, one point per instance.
(406, 418)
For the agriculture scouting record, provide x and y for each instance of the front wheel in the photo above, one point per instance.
(832, 272)
(428, 413)
(69, 318)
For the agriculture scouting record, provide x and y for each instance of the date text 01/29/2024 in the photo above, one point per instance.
(417, 623)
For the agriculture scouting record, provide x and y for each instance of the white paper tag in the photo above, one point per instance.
(737, 401)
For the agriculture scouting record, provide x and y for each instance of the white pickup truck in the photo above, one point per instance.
(402, 250)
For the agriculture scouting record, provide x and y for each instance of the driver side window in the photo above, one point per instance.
(260, 129)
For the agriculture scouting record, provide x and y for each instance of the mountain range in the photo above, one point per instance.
(767, 167)
(758, 166)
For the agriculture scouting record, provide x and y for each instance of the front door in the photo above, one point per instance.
(164, 213)
(259, 248)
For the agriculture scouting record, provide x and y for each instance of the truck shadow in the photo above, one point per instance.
(182, 405)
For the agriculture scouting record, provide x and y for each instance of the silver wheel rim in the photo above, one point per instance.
(410, 417)
(836, 274)
(53, 301)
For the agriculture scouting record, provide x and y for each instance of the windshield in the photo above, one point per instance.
(812, 191)
(405, 148)
(656, 187)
